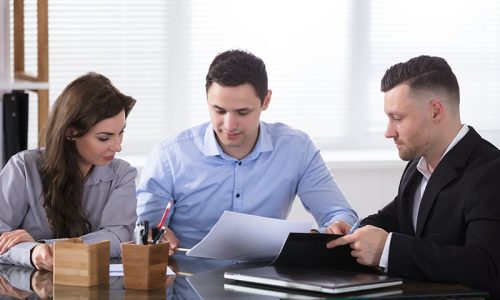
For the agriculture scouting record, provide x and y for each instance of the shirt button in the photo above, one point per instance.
(238, 195)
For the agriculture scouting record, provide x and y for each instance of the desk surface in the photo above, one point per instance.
(203, 279)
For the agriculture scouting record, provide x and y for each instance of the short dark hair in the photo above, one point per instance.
(237, 67)
(423, 73)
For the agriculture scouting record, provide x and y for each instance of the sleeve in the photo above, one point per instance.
(477, 261)
(319, 192)
(13, 208)
(18, 277)
(155, 187)
(386, 218)
(13, 202)
(19, 255)
(118, 216)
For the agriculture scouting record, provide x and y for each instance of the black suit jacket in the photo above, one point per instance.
(457, 238)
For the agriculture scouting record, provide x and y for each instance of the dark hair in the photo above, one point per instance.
(236, 67)
(86, 101)
(423, 73)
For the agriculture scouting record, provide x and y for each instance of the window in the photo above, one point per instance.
(324, 59)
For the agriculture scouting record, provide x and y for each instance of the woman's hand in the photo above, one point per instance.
(11, 238)
(42, 257)
(41, 283)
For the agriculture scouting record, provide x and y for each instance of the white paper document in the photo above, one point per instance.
(244, 237)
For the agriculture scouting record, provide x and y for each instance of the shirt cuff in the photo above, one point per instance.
(384, 259)
(21, 254)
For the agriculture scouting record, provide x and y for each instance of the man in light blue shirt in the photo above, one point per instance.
(236, 162)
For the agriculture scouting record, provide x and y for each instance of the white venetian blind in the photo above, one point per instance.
(465, 33)
(127, 41)
(305, 46)
(324, 59)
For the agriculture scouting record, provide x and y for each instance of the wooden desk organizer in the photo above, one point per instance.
(79, 264)
(144, 266)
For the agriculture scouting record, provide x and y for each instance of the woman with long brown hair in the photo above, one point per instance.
(74, 187)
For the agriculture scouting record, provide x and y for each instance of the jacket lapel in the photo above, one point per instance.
(409, 183)
(446, 171)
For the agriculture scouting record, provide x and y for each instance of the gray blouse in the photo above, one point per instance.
(108, 199)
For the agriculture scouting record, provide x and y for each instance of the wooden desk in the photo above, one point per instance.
(206, 282)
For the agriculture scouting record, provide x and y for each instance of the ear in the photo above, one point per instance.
(70, 133)
(437, 109)
(267, 100)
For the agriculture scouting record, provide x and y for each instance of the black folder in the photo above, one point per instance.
(15, 123)
(309, 250)
(305, 263)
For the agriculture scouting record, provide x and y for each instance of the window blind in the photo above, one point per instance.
(324, 59)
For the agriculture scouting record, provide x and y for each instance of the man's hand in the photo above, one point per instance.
(338, 227)
(42, 257)
(170, 237)
(367, 244)
(11, 238)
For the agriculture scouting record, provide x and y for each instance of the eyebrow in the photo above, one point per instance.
(110, 133)
(238, 110)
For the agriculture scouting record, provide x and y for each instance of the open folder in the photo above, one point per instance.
(305, 263)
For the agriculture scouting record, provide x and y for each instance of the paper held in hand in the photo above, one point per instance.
(244, 237)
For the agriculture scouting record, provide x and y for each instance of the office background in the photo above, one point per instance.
(324, 59)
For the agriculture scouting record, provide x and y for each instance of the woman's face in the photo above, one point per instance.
(100, 144)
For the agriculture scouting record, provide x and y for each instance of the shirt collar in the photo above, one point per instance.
(212, 148)
(422, 163)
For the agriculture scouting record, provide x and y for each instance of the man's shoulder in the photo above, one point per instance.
(186, 137)
(280, 130)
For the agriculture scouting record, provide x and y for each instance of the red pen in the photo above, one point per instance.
(164, 215)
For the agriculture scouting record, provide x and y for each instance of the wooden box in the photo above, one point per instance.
(144, 266)
(80, 264)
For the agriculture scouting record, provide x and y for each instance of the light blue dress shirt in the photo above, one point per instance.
(203, 181)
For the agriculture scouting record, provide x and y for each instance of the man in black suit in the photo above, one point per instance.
(444, 224)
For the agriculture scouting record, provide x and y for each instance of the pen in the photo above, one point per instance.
(145, 233)
(159, 235)
(138, 234)
(355, 226)
(167, 209)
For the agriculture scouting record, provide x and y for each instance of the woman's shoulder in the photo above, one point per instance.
(121, 166)
(27, 157)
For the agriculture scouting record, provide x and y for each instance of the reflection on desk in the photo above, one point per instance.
(207, 282)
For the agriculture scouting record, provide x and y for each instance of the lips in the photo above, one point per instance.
(231, 136)
(109, 158)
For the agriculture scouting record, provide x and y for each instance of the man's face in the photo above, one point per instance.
(235, 115)
(409, 124)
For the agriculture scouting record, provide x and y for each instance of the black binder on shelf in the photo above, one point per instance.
(15, 123)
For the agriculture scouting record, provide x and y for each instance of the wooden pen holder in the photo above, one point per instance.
(80, 264)
(144, 266)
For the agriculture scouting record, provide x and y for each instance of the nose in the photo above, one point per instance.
(390, 131)
(117, 145)
(230, 121)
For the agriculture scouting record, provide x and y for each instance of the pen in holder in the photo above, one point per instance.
(144, 266)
